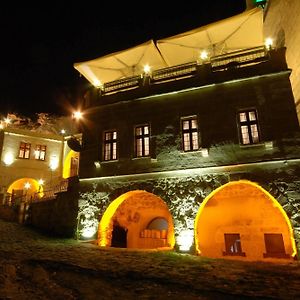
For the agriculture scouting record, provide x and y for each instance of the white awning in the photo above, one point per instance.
(121, 64)
(239, 32)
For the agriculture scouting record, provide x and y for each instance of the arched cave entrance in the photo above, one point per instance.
(137, 219)
(241, 220)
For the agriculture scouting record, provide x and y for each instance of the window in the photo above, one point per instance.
(233, 244)
(110, 145)
(24, 150)
(190, 136)
(40, 152)
(142, 141)
(274, 245)
(249, 127)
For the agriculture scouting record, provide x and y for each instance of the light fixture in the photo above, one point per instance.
(204, 55)
(27, 185)
(62, 131)
(8, 159)
(41, 181)
(7, 121)
(77, 115)
(185, 240)
(269, 43)
(147, 69)
(97, 83)
(53, 163)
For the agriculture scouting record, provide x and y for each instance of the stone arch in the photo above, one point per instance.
(24, 188)
(134, 211)
(241, 220)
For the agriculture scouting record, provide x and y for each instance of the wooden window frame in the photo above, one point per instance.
(24, 150)
(40, 149)
(187, 134)
(142, 141)
(250, 126)
(110, 144)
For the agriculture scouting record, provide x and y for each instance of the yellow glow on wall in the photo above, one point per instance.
(67, 163)
(134, 210)
(246, 208)
(28, 185)
(106, 219)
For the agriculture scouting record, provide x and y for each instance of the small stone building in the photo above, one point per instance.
(200, 156)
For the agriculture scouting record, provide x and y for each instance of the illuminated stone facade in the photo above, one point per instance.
(282, 22)
(115, 189)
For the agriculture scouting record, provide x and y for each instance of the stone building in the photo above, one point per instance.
(282, 23)
(35, 164)
(198, 155)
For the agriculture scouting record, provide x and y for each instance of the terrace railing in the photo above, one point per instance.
(237, 59)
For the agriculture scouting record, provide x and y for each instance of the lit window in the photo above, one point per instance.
(233, 244)
(40, 152)
(24, 150)
(110, 145)
(190, 134)
(142, 141)
(248, 124)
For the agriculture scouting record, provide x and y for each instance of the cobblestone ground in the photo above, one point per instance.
(34, 266)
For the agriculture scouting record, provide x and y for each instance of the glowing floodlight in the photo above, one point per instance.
(53, 163)
(204, 55)
(8, 159)
(97, 83)
(77, 115)
(185, 240)
(147, 69)
(88, 232)
(269, 43)
(27, 185)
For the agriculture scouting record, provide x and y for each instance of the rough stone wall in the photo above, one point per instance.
(59, 216)
(183, 196)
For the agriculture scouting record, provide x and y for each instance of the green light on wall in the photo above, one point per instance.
(261, 3)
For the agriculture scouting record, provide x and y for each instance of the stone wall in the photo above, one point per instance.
(184, 192)
(58, 216)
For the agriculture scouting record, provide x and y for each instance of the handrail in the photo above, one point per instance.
(236, 59)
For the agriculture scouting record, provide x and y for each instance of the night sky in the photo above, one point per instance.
(40, 44)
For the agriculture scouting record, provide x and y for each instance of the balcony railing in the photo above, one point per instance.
(48, 194)
(237, 59)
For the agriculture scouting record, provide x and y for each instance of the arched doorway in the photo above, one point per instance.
(71, 164)
(24, 189)
(241, 220)
(140, 217)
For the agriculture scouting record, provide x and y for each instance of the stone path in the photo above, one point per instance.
(34, 266)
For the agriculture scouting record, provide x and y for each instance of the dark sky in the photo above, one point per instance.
(40, 44)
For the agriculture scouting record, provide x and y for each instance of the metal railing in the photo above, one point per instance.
(237, 59)
(49, 194)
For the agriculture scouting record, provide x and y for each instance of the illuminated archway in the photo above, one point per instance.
(70, 166)
(241, 220)
(25, 188)
(134, 211)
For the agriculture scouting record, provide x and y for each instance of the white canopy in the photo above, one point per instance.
(122, 64)
(241, 31)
